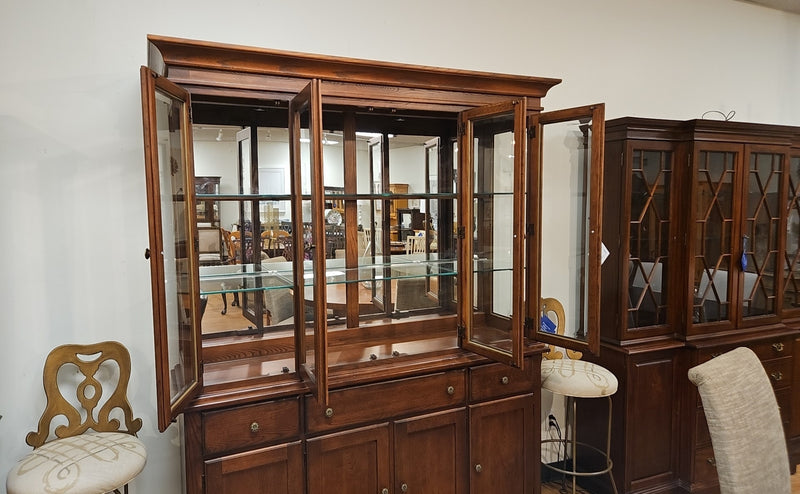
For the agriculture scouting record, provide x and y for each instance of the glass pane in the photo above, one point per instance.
(565, 192)
(648, 287)
(761, 228)
(493, 229)
(713, 231)
(791, 274)
(176, 215)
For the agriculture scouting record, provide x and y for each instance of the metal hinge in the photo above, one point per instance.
(461, 330)
(461, 232)
(462, 129)
(530, 230)
(532, 132)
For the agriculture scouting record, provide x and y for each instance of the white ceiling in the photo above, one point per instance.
(792, 6)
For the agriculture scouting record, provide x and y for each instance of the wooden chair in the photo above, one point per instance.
(745, 424)
(96, 450)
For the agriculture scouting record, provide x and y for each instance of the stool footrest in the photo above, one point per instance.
(609, 463)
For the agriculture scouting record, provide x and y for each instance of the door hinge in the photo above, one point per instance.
(462, 232)
(528, 324)
(530, 230)
(462, 129)
(532, 132)
(461, 330)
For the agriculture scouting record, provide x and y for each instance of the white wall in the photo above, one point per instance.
(74, 218)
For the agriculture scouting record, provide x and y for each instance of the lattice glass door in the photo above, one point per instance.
(715, 180)
(649, 236)
(760, 237)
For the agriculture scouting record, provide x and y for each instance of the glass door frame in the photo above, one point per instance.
(169, 406)
(468, 340)
(536, 125)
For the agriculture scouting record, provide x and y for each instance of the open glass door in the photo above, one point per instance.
(305, 136)
(491, 230)
(173, 241)
(565, 200)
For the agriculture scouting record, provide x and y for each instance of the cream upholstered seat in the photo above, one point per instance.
(577, 378)
(91, 452)
(744, 422)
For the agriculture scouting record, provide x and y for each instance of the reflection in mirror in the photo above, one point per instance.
(565, 194)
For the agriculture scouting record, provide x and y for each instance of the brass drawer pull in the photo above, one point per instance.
(478, 468)
(451, 390)
(712, 461)
(403, 487)
(254, 427)
(778, 347)
(504, 380)
(777, 376)
(329, 412)
(384, 491)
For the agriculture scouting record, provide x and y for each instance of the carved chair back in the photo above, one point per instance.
(74, 378)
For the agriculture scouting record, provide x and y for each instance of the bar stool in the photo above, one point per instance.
(579, 379)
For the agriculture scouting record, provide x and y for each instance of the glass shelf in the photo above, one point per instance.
(279, 275)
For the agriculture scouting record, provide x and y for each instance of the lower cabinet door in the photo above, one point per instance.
(355, 462)
(502, 437)
(431, 454)
(279, 467)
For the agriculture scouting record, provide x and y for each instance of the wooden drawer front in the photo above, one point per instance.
(779, 372)
(251, 426)
(497, 380)
(383, 401)
(705, 469)
(770, 349)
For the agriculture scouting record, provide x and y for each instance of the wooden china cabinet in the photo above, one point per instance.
(369, 371)
(704, 252)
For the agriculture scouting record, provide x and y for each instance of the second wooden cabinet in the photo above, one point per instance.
(703, 249)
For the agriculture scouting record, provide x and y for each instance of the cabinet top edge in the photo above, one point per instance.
(695, 129)
(172, 51)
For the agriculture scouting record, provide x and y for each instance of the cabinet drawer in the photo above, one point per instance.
(779, 371)
(497, 380)
(775, 348)
(251, 426)
(382, 401)
(705, 466)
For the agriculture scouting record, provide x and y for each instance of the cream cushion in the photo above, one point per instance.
(95, 462)
(577, 378)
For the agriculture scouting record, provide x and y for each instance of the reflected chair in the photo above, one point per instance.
(574, 378)
(233, 242)
(415, 244)
(274, 242)
(86, 439)
(744, 422)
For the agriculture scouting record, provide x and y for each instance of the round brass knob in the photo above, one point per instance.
(478, 468)
(778, 347)
(504, 380)
(404, 487)
(329, 412)
(254, 427)
(451, 390)
(384, 491)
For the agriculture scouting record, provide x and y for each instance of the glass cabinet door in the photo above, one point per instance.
(305, 136)
(173, 243)
(491, 230)
(565, 196)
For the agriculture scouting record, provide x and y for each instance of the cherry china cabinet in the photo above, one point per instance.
(702, 221)
(356, 351)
